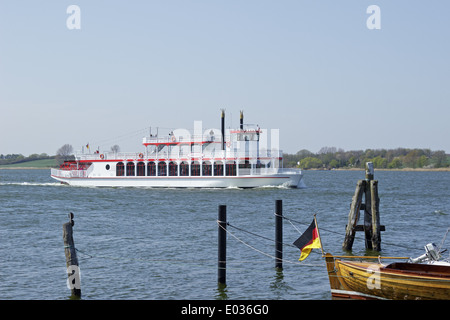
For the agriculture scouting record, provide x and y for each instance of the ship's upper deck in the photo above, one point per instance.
(247, 143)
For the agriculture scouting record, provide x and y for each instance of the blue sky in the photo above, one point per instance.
(309, 68)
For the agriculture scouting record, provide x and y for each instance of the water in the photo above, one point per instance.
(162, 243)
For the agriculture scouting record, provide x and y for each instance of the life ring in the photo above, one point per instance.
(173, 138)
(102, 156)
(141, 155)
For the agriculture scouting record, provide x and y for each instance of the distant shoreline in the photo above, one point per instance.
(32, 164)
(384, 169)
(337, 169)
(24, 168)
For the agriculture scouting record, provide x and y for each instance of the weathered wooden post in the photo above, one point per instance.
(371, 227)
(369, 171)
(279, 234)
(353, 215)
(376, 228)
(73, 270)
(222, 245)
(367, 207)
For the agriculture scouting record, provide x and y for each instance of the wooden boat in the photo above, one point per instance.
(398, 280)
(425, 277)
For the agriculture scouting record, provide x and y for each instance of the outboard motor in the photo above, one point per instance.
(431, 254)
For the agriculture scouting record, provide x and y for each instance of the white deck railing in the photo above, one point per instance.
(181, 155)
(69, 173)
(72, 173)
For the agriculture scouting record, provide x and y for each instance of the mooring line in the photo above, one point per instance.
(194, 261)
(334, 232)
(259, 236)
(263, 253)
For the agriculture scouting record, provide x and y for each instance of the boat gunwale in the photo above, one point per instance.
(351, 279)
(396, 272)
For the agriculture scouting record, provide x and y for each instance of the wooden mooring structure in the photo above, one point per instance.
(368, 189)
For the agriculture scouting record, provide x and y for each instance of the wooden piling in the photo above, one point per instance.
(376, 236)
(353, 215)
(369, 171)
(73, 270)
(371, 227)
(222, 245)
(367, 207)
(279, 234)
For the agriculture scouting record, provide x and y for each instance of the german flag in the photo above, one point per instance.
(310, 239)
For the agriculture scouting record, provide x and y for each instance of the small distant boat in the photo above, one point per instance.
(425, 277)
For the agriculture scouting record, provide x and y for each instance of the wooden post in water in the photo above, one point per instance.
(369, 171)
(367, 207)
(353, 216)
(371, 227)
(222, 245)
(73, 270)
(376, 228)
(279, 234)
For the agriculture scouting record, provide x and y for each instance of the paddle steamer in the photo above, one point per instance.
(209, 158)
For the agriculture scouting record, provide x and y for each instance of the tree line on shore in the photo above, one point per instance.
(331, 157)
(326, 158)
(19, 158)
(62, 154)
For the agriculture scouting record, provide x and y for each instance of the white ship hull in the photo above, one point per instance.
(291, 180)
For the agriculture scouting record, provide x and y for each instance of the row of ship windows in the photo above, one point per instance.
(162, 169)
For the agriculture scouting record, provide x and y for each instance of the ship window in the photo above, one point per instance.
(231, 169)
(245, 165)
(140, 169)
(184, 169)
(195, 168)
(162, 167)
(173, 169)
(120, 169)
(218, 169)
(151, 169)
(130, 169)
(206, 168)
(107, 167)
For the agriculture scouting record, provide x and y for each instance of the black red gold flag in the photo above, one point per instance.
(310, 239)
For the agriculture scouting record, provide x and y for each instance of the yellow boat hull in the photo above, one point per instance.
(398, 281)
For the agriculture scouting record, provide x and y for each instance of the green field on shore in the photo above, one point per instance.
(43, 164)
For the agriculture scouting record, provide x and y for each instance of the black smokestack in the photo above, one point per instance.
(223, 129)
(242, 120)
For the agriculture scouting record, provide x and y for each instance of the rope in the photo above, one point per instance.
(263, 253)
(334, 232)
(443, 240)
(260, 236)
(322, 229)
(220, 223)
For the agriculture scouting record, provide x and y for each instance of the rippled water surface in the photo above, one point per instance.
(162, 243)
